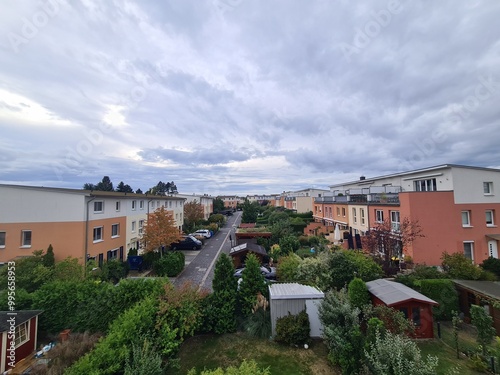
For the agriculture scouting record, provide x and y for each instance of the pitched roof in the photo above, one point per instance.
(20, 317)
(488, 288)
(393, 293)
(294, 291)
(247, 246)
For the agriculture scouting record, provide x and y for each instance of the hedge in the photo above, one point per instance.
(443, 292)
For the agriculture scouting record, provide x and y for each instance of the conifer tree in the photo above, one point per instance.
(251, 284)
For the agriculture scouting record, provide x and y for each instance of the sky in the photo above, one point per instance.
(245, 97)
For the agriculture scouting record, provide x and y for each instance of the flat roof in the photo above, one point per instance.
(294, 291)
(488, 288)
(248, 246)
(393, 293)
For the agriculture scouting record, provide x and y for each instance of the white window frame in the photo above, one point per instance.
(24, 242)
(429, 184)
(134, 204)
(343, 211)
(338, 211)
(492, 216)
(141, 205)
(98, 210)
(141, 227)
(134, 224)
(488, 188)
(114, 254)
(466, 223)
(362, 215)
(354, 217)
(471, 243)
(395, 221)
(96, 238)
(379, 216)
(115, 228)
(117, 206)
(3, 239)
(22, 334)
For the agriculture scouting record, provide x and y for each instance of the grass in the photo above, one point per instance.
(212, 351)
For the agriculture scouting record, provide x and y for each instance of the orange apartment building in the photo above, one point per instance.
(77, 223)
(231, 201)
(455, 205)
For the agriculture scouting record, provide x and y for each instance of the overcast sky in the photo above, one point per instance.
(245, 96)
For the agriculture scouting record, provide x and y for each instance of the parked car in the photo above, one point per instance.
(268, 272)
(186, 243)
(203, 232)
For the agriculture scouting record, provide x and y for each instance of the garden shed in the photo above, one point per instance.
(239, 253)
(412, 304)
(293, 298)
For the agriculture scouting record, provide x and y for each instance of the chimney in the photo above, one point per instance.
(362, 178)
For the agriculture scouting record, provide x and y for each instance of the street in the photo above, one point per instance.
(200, 264)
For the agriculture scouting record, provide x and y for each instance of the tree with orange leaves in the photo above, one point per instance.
(160, 229)
(193, 213)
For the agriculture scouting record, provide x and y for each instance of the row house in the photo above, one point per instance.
(206, 201)
(231, 201)
(301, 201)
(263, 199)
(455, 205)
(82, 224)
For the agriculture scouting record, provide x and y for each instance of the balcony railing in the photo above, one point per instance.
(374, 198)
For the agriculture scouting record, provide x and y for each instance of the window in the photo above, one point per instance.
(404, 310)
(415, 315)
(395, 222)
(469, 250)
(133, 204)
(170, 204)
(362, 215)
(98, 206)
(2, 239)
(112, 254)
(141, 205)
(26, 238)
(488, 188)
(466, 218)
(343, 211)
(489, 218)
(354, 218)
(379, 216)
(115, 230)
(97, 236)
(425, 185)
(338, 211)
(141, 226)
(157, 204)
(117, 206)
(133, 226)
(22, 334)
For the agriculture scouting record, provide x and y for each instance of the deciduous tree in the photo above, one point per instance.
(160, 230)
(193, 213)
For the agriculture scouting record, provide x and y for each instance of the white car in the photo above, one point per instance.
(203, 232)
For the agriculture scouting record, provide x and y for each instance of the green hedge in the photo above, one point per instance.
(293, 329)
(442, 291)
(171, 264)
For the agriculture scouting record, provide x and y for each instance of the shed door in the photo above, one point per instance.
(312, 311)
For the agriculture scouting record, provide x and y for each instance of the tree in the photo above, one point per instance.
(138, 191)
(251, 284)
(345, 265)
(48, 259)
(218, 204)
(193, 213)
(104, 185)
(123, 188)
(250, 212)
(163, 188)
(358, 293)
(88, 186)
(288, 267)
(221, 317)
(388, 242)
(160, 229)
(484, 324)
(492, 265)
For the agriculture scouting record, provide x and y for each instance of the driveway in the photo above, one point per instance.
(199, 269)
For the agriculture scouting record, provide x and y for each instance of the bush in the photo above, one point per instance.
(420, 272)
(457, 266)
(171, 264)
(246, 368)
(491, 264)
(345, 265)
(288, 268)
(289, 244)
(358, 293)
(293, 329)
(443, 292)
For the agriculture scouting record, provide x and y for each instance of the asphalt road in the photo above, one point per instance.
(200, 264)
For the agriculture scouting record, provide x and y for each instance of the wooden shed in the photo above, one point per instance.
(414, 305)
(481, 293)
(239, 253)
(18, 336)
(293, 298)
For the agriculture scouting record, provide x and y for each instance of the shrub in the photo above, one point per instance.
(170, 264)
(457, 266)
(145, 360)
(491, 264)
(258, 324)
(420, 272)
(251, 285)
(394, 320)
(358, 293)
(345, 265)
(289, 244)
(397, 355)
(293, 329)
(484, 324)
(288, 268)
(246, 368)
(442, 291)
(114, 270)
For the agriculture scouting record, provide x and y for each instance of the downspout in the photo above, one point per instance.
(87, 237)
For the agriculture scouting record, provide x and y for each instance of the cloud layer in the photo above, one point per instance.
(245, 97)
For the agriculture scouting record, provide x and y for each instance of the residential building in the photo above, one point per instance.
(263, 199)
(231, 201)
(455, 205)
(82, 224)
(301, 201)
(205, 200)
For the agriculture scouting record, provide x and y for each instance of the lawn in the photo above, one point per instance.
(212, 351)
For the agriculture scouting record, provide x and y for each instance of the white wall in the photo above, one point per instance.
(468, 184)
